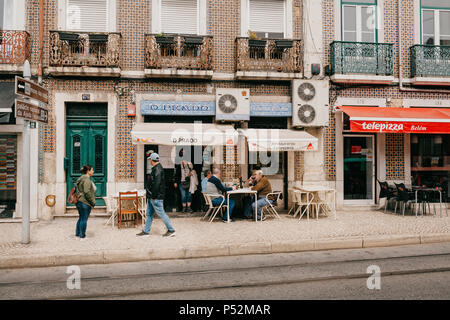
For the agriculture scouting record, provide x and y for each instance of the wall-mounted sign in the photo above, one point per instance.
(30, 111)
(29, 89)
(131, 110)
(270, 109)
(179, 108)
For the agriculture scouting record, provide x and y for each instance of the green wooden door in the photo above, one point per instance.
(86, 144)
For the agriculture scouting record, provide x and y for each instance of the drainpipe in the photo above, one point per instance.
(41, 39)
(400, 76)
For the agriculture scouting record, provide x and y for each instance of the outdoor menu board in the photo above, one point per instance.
(8, 158)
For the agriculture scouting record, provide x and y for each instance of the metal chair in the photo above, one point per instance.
(269, 207)
(213, 210)
(386, 192)
(404, 197)
(128, 196)
(300, 201)
(111, 207)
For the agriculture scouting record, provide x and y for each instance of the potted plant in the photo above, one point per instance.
(254, 40)
(163, 39)
(283, 43)
(193, 40)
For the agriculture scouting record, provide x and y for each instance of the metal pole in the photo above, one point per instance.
(26, 182)
(26, 170)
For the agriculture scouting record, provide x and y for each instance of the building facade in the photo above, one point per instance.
(121, 73)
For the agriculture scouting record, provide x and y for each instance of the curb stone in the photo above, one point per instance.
(117, 256)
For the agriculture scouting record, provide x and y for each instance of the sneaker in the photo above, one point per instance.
(189, 210)
(184, 209)
(226, 221)
(83, 239)
(143, 234)
(169, 234)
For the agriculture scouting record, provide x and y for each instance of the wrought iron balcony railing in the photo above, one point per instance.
(279, 55)
(73, 49)
(178, 52)
(361, 58)
(15, 47)
(430, 61)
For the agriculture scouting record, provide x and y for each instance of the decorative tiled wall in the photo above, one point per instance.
(395, 164)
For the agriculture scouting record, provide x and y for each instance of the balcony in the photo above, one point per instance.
(271, 59)
(430, 65)
(178, 56)
(15, 48)
(84, 54)
(362, 62)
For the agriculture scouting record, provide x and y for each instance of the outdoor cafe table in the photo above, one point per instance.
(243, 191)
(314, 191)
(429, 190)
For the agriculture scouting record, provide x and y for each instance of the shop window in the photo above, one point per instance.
(271, 163)
(430, 160)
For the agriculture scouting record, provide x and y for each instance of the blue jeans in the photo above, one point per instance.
(158, 206)
(83, 210)
(186, 196)
(249, 206)
(216, 202)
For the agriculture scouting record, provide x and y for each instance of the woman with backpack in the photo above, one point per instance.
(85, 191)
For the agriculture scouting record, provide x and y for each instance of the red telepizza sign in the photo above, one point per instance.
(399, 127)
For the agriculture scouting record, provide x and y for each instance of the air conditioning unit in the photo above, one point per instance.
(310, 103)
(233, 104)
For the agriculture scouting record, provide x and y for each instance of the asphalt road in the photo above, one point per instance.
(407, 272)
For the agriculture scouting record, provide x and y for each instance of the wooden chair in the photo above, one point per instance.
(125, 210)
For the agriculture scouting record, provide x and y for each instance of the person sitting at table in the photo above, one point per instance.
(251, 181)
(208, 174)
(214, 186)
(262, 185)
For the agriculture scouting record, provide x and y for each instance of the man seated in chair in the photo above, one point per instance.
(214, 186)
(258, 182)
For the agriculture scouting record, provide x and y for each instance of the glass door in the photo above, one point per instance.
(359, 169)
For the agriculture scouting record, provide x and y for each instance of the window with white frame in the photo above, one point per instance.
(435, 22)
(267, 18)
(87, 15)
(359, 20)
(180, 16)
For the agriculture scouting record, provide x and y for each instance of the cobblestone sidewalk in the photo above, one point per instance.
(57, 237)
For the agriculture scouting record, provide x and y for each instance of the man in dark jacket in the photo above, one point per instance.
(155, 188)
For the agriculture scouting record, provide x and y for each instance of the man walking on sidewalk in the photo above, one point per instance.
(155, 188)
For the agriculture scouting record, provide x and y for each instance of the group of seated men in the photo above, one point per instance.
(213, 186)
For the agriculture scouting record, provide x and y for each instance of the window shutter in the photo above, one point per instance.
(87, 15)
(267, 16)
(179, 16)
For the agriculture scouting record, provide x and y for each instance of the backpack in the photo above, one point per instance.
(73, 198)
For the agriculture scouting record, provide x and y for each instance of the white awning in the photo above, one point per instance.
(181, 134)
(279, 140)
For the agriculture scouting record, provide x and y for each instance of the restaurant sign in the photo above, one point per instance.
(442, 126)
(270, 109)
(178, 108)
